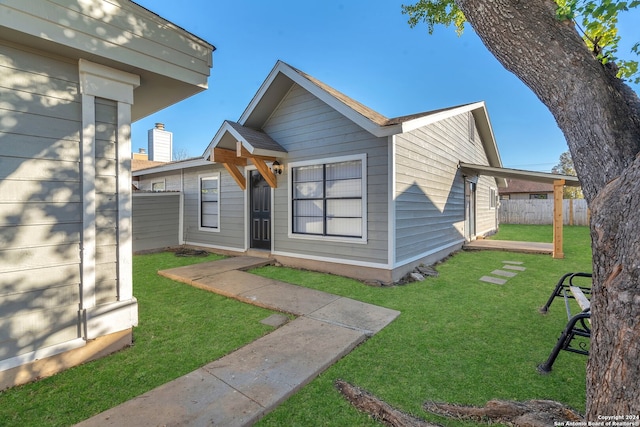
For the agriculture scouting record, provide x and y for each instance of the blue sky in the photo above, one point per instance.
(365, 49)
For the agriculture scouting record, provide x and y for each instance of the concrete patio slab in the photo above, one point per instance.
(510, 246)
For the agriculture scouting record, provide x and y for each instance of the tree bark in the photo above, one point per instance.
(600, 118)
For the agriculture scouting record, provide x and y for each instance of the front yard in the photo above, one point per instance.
(457, 340)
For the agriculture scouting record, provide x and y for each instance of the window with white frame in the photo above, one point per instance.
(157, 186)
(328, 198)
(209, 202)
(493, 198)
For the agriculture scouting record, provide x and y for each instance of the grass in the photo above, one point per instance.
(457, 340)
(180, 329)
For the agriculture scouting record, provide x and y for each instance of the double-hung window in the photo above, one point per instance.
(328, 199)
(209, 203)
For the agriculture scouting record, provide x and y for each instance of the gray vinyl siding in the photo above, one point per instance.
(40, 201)
(232, 211)
(172, 181)
(309, 129)
(430, 188)
(156, 219)
(106, 202)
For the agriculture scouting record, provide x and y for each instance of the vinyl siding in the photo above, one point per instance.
(232, 211)
(430, 190)
(156, 220)
(151, 43)
(40, 201)
(309, 129)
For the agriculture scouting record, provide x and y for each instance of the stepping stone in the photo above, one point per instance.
(503, 273)
(514, 267)
(494, 280)
(513, 262)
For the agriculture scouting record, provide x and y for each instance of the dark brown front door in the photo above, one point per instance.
(260, 205)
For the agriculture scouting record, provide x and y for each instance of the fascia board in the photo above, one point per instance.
(173, 166)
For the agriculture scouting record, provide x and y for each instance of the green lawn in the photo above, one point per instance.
(180, 329)
(457, 340)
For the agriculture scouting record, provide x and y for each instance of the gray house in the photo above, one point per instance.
(317, 180)
(69, 74)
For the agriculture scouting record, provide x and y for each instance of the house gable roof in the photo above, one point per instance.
(283, 76)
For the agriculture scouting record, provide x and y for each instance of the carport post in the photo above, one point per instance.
(558, 186)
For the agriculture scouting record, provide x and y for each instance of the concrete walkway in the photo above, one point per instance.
(240, 388)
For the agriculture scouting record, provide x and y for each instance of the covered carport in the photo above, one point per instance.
(558, 181)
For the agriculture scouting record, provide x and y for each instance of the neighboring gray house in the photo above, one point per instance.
(354, 193)
(69, 74)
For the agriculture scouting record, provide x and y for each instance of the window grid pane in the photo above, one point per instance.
(327, 199)
(209, 206)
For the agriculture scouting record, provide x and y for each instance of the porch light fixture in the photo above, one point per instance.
(277, 168)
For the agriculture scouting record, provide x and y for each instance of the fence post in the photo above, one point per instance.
(558, 186)
(570, 211)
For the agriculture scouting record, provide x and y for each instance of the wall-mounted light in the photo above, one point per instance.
(277, 168)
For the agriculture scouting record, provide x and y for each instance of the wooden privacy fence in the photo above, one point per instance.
(539, 211)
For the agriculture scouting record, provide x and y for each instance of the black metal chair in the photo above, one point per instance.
(578, 325)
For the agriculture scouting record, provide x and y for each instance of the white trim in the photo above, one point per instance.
(105, 319)
(105, 82)
(410, 125)
(428, 253)
(100, 81)
(125, 241)
(365, 224)
(88, 243)
(391, 202)
(41, 353)
(333, 260)
(156, 194)
(209, 176)
(177, 165)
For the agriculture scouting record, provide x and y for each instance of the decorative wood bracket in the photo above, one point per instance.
(260, 163)
(231, 162)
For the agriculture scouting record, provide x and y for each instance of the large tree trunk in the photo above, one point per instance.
(600, 118)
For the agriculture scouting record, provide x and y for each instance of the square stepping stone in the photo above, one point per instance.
(513, 262)
(514, 267)
(494, 280)
(503, 273)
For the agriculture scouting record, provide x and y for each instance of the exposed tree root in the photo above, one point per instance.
(532, 413)
(376, 408)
